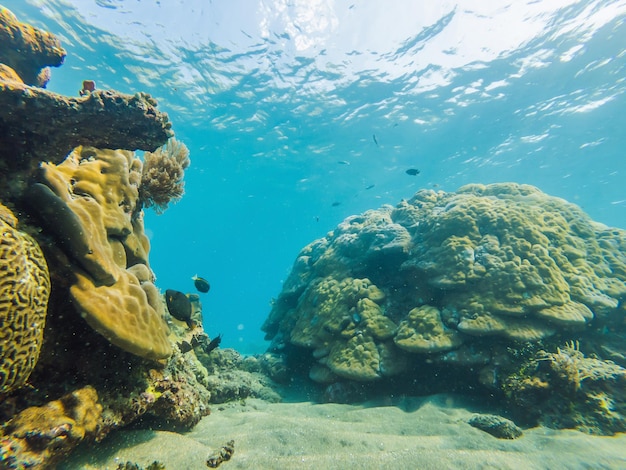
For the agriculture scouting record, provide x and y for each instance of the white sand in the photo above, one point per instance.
(429, 433)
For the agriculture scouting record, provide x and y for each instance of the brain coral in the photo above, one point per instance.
(456, 272)
(24, 292)
(90, 202)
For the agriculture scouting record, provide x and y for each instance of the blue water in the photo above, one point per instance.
(301, 113)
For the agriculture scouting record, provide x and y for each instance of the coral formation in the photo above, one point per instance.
(83, 211)
(343, 323)
(38, 125)
(28, 50)
(24, 292)
(103, 119)
(470, 278)
(39, 437)
(565, 389)
(162, 175)
(90, 201)
(423, 331)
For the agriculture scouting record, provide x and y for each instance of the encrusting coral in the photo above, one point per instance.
(40, 436)
(162, 175)
(24, 293)
(567, 389)
(465, 276)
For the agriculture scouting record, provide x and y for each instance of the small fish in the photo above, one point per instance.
(412, 171)
(370, 186)
(343, 162)
(201, 284)
(375, 141)
(335, 204)
(215, 342)
(179, 306)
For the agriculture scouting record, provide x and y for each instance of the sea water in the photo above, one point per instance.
(300, 113)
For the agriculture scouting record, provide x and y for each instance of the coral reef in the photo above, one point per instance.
(174, 397)
(467, 280)
(162, 175)
(28, 50)
(565, 389)
(343, 323)
(24, 293)
(39, 437)
(80, 251)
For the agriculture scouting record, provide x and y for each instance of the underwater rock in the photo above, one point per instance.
(156, 465)
(24, 293)
(223, 454)
(487, 271)
(231, 376)
(38, 125)
(181, 400)
(344, 393)
(497, 426)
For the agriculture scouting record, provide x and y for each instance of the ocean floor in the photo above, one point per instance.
(424, 433)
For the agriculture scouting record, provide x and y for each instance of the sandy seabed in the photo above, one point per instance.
(414, 433)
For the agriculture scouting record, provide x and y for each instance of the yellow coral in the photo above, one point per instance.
(423, 331)
(24, 292)
(91, 204)
(347, 329)
(358, 359)
(45, 433)
(501, 260)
